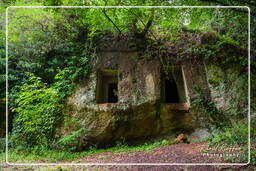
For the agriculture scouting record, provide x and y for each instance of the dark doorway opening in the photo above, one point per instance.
(171, 91)
(107, 86)
(112, 93)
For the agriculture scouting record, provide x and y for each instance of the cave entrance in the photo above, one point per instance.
(107, 86)
(172, 87)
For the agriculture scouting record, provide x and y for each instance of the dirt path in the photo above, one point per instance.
(178, 153)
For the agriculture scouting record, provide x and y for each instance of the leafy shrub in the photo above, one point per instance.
(238, 134)
(38, 111)
(253, 156)
(38, 107)
(72, 141)
(2, 144)
(76, 66)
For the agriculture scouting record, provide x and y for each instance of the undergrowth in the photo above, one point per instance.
(237, 136)
(47, 155)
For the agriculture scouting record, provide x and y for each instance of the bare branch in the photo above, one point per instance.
(43, 26)
(104, 12)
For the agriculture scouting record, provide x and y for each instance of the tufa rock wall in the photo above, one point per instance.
(140, 111)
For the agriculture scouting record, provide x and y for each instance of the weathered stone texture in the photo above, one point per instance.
(139, 112)
(229, 88)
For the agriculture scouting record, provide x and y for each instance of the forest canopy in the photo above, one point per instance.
(34, 34)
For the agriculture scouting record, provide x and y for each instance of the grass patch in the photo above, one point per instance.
(2, 158)
(46, 155)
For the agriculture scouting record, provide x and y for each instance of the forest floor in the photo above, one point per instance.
(177, 153)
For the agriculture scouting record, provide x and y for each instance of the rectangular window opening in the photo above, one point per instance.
(107, 86)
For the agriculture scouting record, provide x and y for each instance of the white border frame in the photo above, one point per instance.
(125, 164)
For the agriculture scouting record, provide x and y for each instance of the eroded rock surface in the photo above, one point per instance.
(141, 110)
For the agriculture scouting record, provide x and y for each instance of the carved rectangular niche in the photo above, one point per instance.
(107, 86)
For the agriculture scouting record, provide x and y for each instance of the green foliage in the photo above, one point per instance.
(207, 108)
(39, 107)
(122, 146)
(65, 77)
(2, 77)
(38, 111)
(220, 49)
(237, 134)
(42, 154)
(253, 156)
(71, 142)
(215, 82)
(2, 144)
(253, 143)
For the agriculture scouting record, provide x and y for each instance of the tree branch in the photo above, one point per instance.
(148, 25)
(104, 12)
(144, 25)
(44, 27)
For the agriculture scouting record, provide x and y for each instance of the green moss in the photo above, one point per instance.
(109, 71)
(215, 82)
(71, 122)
